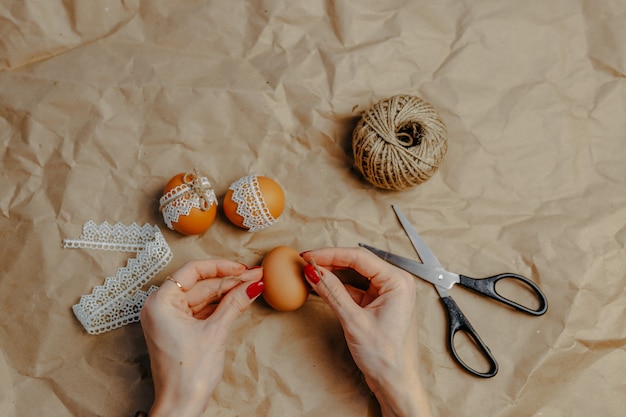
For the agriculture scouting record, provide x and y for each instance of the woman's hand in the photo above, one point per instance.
(379, 324)
(186, 331)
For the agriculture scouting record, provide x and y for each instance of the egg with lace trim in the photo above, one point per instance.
(188, 204)
(254, 202)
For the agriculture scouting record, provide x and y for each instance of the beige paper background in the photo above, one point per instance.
(102, 102)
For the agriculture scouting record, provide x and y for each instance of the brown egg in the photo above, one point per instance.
(254, 202)
(285, 286)
(188, 204)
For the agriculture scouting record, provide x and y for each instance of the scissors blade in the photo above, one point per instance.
(422, 249)
(437, 276)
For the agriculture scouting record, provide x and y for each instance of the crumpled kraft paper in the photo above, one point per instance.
(102, 102)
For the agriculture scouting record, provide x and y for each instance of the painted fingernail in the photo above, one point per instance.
(303, 253)
(253, 267)
(311, 273)
(255, 289)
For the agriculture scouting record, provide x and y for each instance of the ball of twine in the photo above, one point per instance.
(399, 142)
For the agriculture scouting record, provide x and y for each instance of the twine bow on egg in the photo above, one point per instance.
(399, 142)
(202, 187)
(194, 185)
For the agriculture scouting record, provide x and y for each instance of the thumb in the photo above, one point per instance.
(236, 301)
(331, 290)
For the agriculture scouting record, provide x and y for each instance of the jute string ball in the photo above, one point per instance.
(399, 142)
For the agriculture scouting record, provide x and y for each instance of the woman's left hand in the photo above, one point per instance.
(186, 331)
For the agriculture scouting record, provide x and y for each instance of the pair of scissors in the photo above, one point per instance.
(431, 270)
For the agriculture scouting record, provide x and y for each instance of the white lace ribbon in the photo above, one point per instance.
(119, 300)
(251, 204)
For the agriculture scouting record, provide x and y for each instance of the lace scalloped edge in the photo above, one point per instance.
(119, 300)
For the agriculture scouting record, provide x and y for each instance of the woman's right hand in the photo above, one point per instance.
(379, 324)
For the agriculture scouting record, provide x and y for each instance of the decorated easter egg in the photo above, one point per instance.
(254, 202)
(188, 204)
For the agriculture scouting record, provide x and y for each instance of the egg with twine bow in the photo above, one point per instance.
(399, 142)
(188, 204)
(254, 202)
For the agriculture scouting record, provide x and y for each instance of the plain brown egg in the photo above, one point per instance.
(285, 286)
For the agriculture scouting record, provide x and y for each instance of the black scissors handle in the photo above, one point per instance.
(487, 287)
(457, 322)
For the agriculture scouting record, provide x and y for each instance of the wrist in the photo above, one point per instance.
(401, 394)
(160, 411)
(165, 406)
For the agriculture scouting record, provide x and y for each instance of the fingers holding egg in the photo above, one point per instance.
(254, 203)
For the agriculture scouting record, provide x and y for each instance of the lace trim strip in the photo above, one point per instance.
(119, 300)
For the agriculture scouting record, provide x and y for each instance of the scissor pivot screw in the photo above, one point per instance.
(440, 277)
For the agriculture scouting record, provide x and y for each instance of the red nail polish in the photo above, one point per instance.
(255, 289)
(254, 267)
(311, 273)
